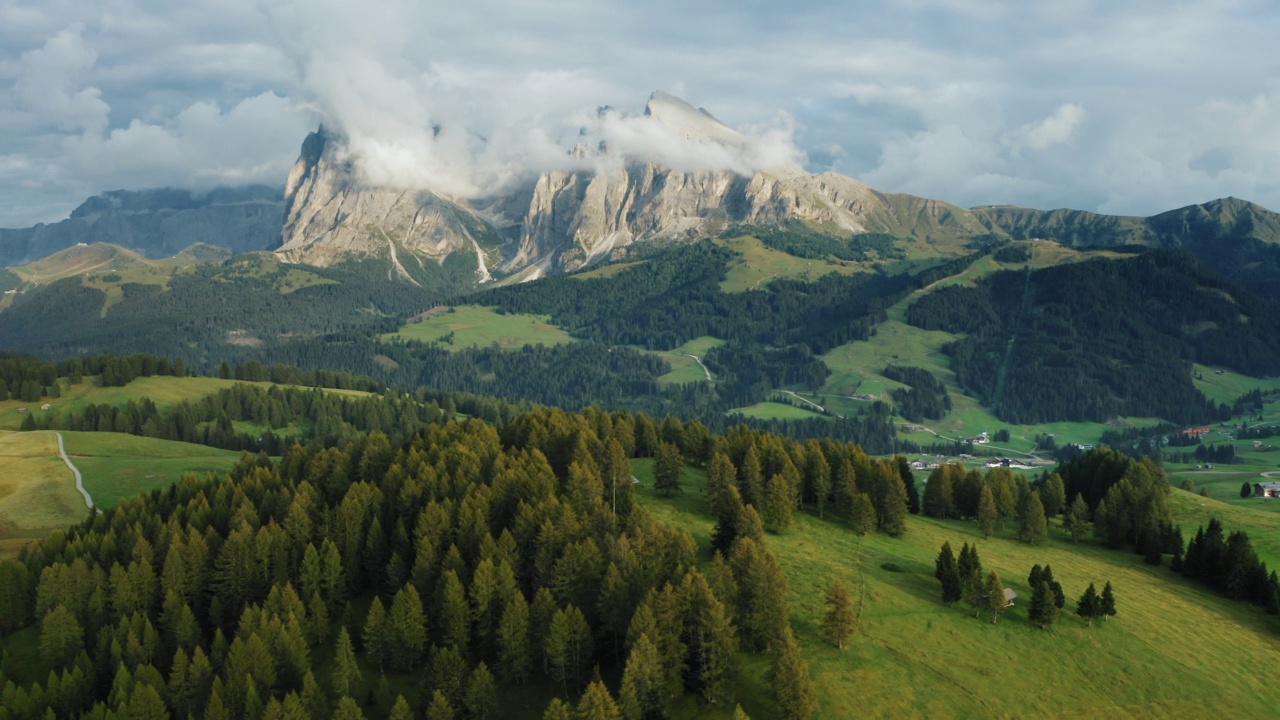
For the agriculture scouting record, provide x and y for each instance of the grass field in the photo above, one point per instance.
(37, 490)
(757, 265)
(1174, 650)
(472, 325)
(776, 411)
(116, 466)
(685, 369)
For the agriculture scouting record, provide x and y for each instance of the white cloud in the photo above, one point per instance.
(1056, 129)
(972, 101)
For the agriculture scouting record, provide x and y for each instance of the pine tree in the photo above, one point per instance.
(1107, 602)
(1088, 605)
(840, 622)
(597, 704)
(946, 571)
(792, 687)
(993, 591)
(1033, 527)
(1044, 611)
(987, 513)
(668, 466)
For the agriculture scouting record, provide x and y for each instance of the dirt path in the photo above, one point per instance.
(699, 361)
(62, 450)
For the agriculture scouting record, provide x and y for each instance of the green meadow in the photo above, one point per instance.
(117, 466)
(1175, 650)
(472, 326)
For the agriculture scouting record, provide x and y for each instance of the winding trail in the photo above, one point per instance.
(704, 367)
(62, 450)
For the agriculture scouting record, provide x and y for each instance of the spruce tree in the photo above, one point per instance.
(1044, 610)
(1089, 604)
(840, 622)
(946, 571)
(1107, 602)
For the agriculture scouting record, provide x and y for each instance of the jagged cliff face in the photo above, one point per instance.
(559, 221)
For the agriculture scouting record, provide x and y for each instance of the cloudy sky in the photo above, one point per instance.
(1122, 107)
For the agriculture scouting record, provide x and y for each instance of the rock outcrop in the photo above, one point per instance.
(558, 221)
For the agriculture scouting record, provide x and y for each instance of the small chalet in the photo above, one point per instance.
(22, 410)
(1266, 489)
(46, 406)
(1009, 597)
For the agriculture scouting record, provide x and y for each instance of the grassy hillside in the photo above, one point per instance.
(37, 490)
(1174, 649)
(472, 325)
(116, 466)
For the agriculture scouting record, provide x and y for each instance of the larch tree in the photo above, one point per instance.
(345, 679)
(407, 628)
(668, 467)
(558, 709)
(987, 511)
(643, 692)
(481, 699)
(375, 635)
(440, 707)
(1053, 494)
(1076, 520)
(862, 514)
(1033, 527)
(993, 591)
(778, 504)
(597, 704)
(840, 621)
(792, 688)
(515, 651)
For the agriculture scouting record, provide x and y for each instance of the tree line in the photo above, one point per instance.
(466, 560)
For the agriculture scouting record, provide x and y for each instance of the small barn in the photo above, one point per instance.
(46, 406)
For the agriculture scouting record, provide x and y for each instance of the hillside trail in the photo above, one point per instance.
(704, 367)
(62, 450)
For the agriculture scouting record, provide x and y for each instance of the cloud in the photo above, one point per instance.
(1125, 107)
(1056, 129)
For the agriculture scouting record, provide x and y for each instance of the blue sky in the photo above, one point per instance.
(1132, 108)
